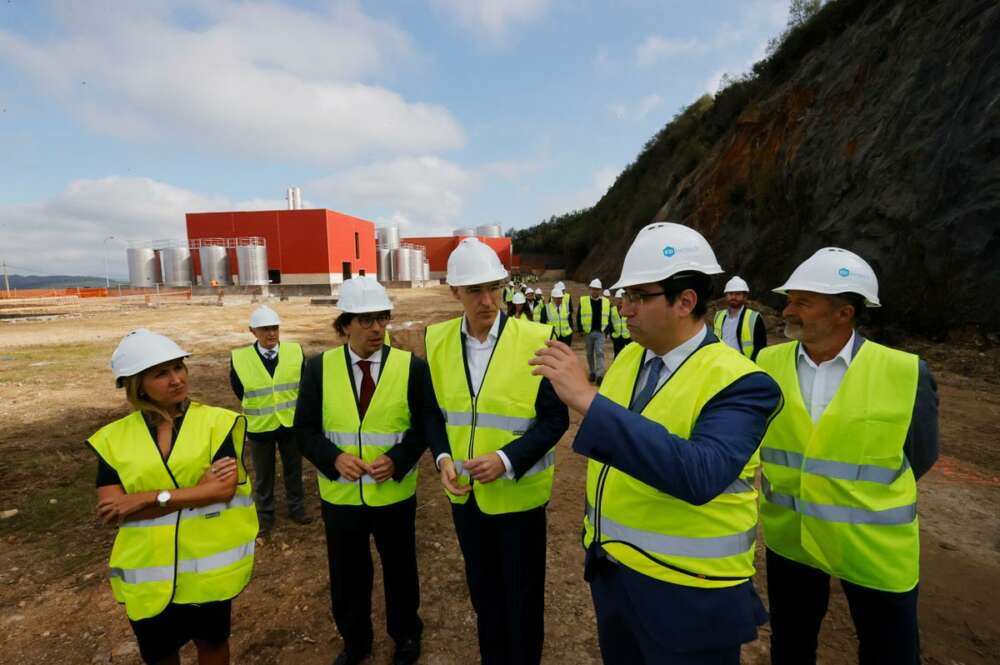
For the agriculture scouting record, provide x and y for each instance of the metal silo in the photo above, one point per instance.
(388, 237)
(401, 263)
(175, 263)
(251, 262)
(416, 263)
(427, 270)
(467, 231)
(214, 265)
(143, 267)
(489, 231)
(384, 265)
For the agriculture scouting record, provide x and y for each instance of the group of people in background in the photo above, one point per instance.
(675, 432)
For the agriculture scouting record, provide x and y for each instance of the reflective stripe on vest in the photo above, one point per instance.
(651, 532)
(839, 494)
(744, 335)
(502, 411)
(188, 555)
(587, 313)
(559, 317)
(269, 401)
(619, 325)
(386, 423)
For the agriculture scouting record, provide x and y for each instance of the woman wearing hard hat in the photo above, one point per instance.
(365, 413)
(171, 478)
(671, 438)
(518, 307)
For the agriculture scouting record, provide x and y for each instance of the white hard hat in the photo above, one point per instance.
(595, 284)
(663, 249)
(619, 293)
(141, 349)
(559, 285)
(264, 316)
(510, 283)
(538, 291)
(360, 295)
(607, 293)
(833, 270)
(735, 285)
(557, 291)
(518, 299)
(474, 262)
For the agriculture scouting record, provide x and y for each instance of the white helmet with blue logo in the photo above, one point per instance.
(663, 249)
(833, 270)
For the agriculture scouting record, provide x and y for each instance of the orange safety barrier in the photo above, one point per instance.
(100, 292)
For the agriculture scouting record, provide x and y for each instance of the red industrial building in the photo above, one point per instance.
(303, 246)
(439, 248)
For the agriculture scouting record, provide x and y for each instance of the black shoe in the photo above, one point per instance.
(593, 377)
(300, 518)
(265, 531)
(352, 656)
(407, 653)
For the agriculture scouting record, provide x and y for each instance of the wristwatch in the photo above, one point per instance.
(162, 498)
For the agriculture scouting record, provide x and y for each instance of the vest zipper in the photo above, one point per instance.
(472, 429)
(598, 498)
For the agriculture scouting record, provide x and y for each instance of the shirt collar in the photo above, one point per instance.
(844, 355)
(490, 337)
(374, 358)
(268, 352)
(676, 356)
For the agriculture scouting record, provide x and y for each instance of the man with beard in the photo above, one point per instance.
(739, 326)
(840, 468)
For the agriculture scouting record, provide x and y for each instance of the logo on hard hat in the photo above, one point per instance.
(843, 272)
(669, 251)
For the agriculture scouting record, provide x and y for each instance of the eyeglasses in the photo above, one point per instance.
(368, 320)
(639, 297)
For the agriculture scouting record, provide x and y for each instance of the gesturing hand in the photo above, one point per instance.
(485, 468)
(450, 479)
(557, 363)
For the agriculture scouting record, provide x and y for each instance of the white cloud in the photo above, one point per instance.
(656, 48)
(255, 79)
(512, 169)
(423, 194)
(492, 19)
(636, 111)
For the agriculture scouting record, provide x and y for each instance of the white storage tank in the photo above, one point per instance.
(143, 267)
(416, 263)
(388, 237)
(214, 265)
(467, 231)
(176, 266)
(251, 262)
(401, 263)
(489, 231)
(384, 265)
(427, 270)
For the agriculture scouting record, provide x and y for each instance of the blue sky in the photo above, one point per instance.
(116, 118)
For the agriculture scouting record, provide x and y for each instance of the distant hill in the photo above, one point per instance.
(55, 281)
(874, 125)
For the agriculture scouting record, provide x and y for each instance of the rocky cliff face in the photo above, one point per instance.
(881, 136)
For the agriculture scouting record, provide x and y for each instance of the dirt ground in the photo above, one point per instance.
(56, 605)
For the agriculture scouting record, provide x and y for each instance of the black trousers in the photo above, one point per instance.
(348, 533)
(262, 449)
(619, 343)
(798, 595)
(505, 570)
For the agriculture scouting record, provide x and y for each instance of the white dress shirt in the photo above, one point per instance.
(376, 364)
(477, 356)
(671, 359)
(819, 383)
(730, 329)
(268, 353)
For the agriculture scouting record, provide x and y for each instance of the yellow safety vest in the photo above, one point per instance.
(839, 495)
(651, 531)
(559, 318)
(503, 410)
(385, 424)
(508, 294)
(745, 335)
(619, 325)
(269, 401)
(535, 313)
(586, 312)
(192, 555)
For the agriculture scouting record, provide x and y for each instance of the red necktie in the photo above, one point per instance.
(367, 387)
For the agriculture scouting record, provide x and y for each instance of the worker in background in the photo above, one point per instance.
(566, 294)
(498, 460)
(840, 468)
(185, 519)
(672, 437)
(558, 315)
(537, 304)
(265, 378)
(365, 415)
(593, 320)
(518, 307)
(620, 336)
(508, 292)
(529, 301)
(739, 326)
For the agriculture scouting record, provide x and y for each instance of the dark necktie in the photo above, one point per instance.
(655, 365)
(367, 387)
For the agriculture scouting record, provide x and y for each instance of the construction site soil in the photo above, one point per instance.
(56, 605)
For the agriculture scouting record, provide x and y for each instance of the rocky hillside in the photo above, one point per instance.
(875, 126)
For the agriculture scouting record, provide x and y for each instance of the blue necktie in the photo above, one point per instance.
(655, 365)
